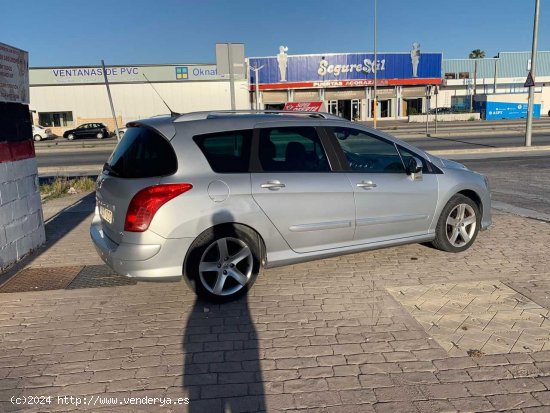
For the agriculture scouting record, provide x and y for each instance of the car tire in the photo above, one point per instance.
(99, 135)
(37, 138)
(458, 225)
(217, 276)
(70, 136)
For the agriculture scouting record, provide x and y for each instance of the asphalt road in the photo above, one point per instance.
(480, 141)
(73, 158)
(86, 156)
(520, 185)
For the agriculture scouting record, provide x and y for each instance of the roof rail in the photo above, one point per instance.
(215, 113)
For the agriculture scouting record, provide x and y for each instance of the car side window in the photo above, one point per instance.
(292, 149)
(406, 155)
(226, 152)
(367, 153)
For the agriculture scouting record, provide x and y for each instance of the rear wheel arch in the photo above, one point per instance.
(228, 227)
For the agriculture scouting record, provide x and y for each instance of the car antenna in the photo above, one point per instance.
(172, 113)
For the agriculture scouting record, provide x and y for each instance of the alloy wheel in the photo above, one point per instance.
(226, 266)
(461, 225)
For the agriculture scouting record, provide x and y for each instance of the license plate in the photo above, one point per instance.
(106, 214)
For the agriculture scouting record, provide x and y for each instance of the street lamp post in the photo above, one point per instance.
(256, 69)
(531, 102)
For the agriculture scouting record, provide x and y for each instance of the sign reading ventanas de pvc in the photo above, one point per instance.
(123, 74)
(337, 69)
(14, 75)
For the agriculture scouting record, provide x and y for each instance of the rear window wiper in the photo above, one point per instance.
(110, 170)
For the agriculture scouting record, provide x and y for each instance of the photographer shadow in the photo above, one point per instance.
(222, 369)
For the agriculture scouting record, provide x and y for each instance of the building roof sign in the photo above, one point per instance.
(123, 74)
(346, 69)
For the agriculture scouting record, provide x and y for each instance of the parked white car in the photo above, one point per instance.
(40, 132)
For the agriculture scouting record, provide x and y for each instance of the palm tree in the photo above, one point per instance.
(475, 54)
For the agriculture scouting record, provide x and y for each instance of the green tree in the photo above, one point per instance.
(477, 54)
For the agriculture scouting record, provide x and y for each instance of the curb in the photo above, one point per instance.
(404, 135)
(75, 149)
(512, 149)
(69, 170)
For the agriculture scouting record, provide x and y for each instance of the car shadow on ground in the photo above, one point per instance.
(222, 371)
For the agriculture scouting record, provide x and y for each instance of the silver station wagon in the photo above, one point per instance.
(216, 196)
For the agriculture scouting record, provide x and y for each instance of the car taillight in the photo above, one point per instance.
(147, 202)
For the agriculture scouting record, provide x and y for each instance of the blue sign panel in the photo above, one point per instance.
(507, 110)
(353, 66)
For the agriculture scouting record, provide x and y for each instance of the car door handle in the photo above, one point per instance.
(273, 185)
(366, 184)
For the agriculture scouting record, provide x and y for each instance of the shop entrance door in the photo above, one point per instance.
(384, 108)
(333, 107)
(347, 109)
(355, 110)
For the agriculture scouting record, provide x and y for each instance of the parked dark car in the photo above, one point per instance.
(88, 130)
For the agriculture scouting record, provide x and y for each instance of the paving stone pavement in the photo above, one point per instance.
(324, 336)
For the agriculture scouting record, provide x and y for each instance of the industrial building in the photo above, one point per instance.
(64, 97)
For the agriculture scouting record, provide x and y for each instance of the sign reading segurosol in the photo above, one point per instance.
(14, 75)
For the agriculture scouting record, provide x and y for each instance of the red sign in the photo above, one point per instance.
(303, 106)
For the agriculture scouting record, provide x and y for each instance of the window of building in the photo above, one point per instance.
(226, 152)
(450, 75)
(464, 75)
(460, 103)
(55, 118)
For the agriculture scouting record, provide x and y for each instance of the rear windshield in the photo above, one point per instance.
(142, 153)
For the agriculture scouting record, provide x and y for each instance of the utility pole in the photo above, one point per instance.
(436, 92)
(531, 103)
(110, 100)
(375, 61)
(428, 90)
(231, 76)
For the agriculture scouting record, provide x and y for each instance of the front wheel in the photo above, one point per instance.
(99, 135)
(458, 225)
(70, 136)
(37, 138)
(223, 263)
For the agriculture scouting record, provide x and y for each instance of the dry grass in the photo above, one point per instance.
(62, 187)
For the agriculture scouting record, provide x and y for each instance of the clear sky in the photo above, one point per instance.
(78, 32)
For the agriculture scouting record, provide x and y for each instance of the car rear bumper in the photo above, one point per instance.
(152, 262)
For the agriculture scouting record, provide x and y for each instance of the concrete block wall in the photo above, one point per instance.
(21, 219)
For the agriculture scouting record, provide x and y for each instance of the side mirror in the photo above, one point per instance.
(414, 166)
